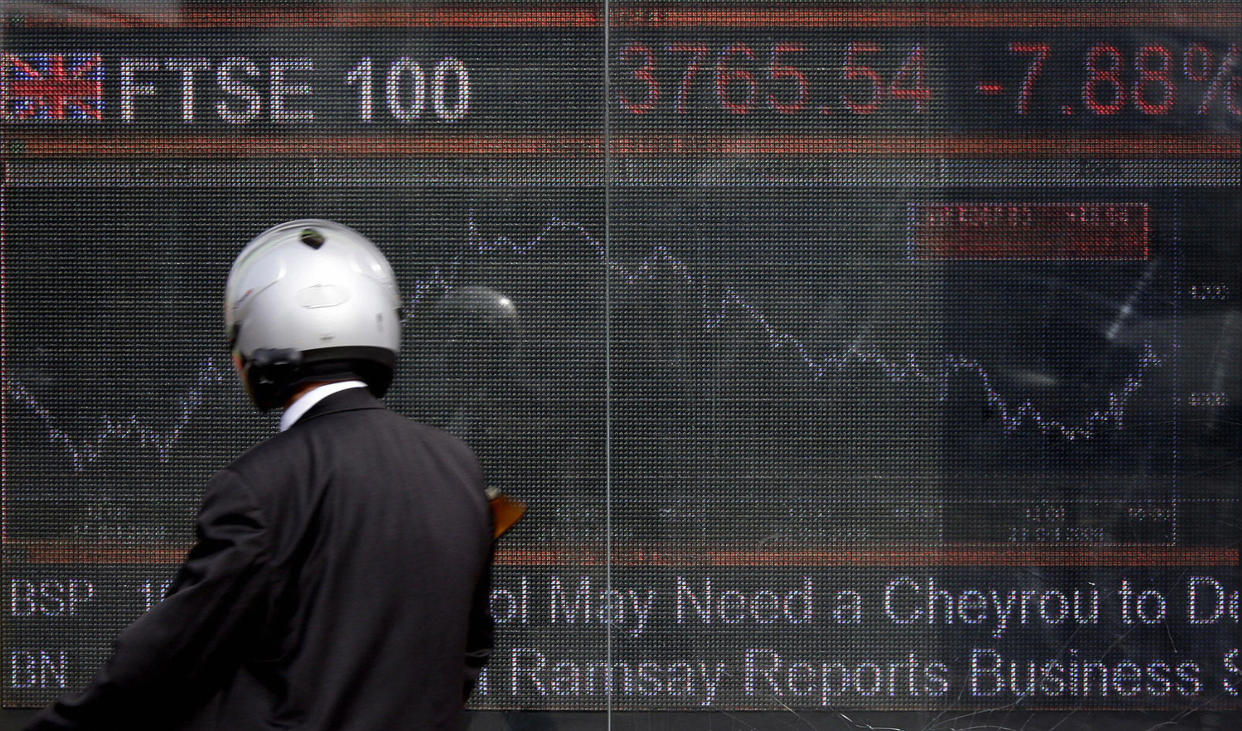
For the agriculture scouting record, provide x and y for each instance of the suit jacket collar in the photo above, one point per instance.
(351, 399)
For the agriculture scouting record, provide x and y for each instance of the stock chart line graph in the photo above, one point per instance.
(728, 302)
(84, 451)
(725, 304)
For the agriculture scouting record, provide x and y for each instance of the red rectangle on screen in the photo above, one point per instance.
(1031, 231)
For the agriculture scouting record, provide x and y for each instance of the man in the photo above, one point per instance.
(340, 575)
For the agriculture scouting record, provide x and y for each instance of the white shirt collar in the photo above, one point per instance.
(312, 397)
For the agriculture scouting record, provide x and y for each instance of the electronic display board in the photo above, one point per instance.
(851, 356)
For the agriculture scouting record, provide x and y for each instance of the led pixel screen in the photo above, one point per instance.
(865, 355)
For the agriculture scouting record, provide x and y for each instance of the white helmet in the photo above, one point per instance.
(311, 300)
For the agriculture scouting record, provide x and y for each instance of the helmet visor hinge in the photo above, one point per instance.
(273, 366)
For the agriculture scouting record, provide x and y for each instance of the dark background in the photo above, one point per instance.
(700, 361)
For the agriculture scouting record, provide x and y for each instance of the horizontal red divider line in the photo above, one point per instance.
(588, 15)
(979, 714)
(673, 556)
(1121, 146)
(894, 556)
(591, 146)
(924, 16)
(283, 146)
(346, 16)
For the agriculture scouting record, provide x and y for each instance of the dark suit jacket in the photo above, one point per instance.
(339, 581)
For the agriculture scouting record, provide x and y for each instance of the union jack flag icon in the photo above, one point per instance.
(51, 87)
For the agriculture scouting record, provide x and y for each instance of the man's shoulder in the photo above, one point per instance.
(335, 428)
(362, 422)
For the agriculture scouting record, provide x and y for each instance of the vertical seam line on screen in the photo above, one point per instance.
(607, 50)
(1178, 264)
(4, 358)
(4, 366)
